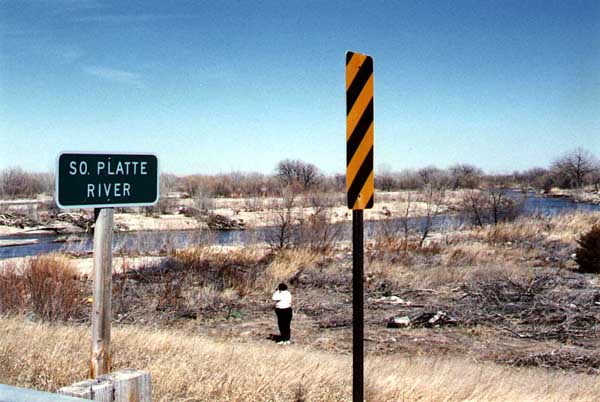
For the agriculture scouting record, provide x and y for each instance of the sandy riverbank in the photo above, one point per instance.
(250, 212)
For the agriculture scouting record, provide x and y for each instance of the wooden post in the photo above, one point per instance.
(98, 390)
(125, 385)
(101, 308)
(130, 385)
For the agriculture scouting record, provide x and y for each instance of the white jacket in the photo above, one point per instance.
(283, 299)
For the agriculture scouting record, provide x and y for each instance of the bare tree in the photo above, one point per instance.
(283, 231)
(15, 182)
(465, 176)
(433, 197)
(405, 215)
(384, 180)
(491, 205)
(304, 174)
(575, 167)
(318, 232)
(390, 229)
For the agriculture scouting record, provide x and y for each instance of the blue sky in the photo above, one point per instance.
(222, 86)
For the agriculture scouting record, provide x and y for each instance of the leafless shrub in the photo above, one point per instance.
(12, 290)
(318, 233)
(395, 228)
(253, 204)
(292, 172)
(407, 179)
(575, 168)
(412, 223)
(492, 205)
(165, 204)
(169, 293)
(233, 184)
(384, 179)
(54, 287)
(433, 196)
(204, 201)
(588, 252)
(433, 176)
(465, 176)
(284, 230)
(121, 299)
(15, 183)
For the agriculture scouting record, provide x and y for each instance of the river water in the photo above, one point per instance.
(152, 241)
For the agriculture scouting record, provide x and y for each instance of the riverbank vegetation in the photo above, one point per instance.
(297, 195)
(507, 300)
(576, 169)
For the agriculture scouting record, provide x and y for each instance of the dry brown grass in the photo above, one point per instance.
(286, 265)
(12, 289)
(237, 268)
(490, 252)
(435, 276)
(460, 261)
(280, 267)
(194, 368)
(564, 227)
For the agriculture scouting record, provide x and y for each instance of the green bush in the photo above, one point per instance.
(587, 254)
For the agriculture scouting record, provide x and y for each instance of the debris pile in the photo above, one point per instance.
(423, 319)
(78, 220)
(565, 360)
(17, 220)
(560, 307)
(220, 222)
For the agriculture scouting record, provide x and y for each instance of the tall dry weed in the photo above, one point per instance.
(13, 297)
(285, 266)
(53, 286)
(196, 368)
(48, 285)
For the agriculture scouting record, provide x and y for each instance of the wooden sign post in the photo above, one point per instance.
(102, 292)
(360, 188)
(103, 181)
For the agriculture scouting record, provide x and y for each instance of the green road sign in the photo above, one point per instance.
(95, 180)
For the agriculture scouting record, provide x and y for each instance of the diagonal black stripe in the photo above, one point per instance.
(365, 71)
(370, 203)
(359, 132)
(349, 56)
(360, 179)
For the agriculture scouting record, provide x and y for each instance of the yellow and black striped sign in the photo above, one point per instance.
(359, 131)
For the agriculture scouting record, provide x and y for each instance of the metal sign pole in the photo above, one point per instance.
(360, 186)
(357, 307)
(102, 292)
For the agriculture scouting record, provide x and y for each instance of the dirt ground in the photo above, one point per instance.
(322, 320)
(549, 317)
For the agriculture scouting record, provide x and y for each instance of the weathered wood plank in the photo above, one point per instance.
(131, 385)
(100, 390)
(126, 385)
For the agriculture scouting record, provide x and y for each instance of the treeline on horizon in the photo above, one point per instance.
(574, 169)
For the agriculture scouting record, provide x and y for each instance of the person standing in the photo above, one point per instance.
(283, 310)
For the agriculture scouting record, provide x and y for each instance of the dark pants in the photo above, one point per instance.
(284, 319)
